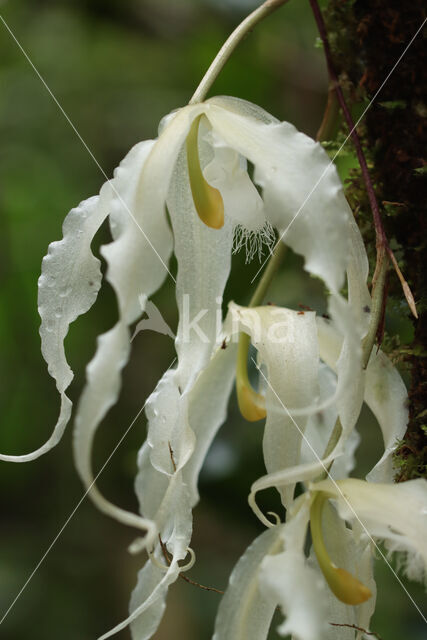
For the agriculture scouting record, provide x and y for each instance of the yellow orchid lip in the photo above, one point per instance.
(343, 584)
(207, 200)
(251, 403)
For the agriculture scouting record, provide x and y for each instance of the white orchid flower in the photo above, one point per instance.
(283, 337)
(301, 355)
(275, 571)
(197, 167)
(384, 393)
(201, 142)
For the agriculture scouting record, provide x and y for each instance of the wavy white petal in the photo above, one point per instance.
(387, 397)
(245, 612)
(302, 193)
(142, 241)
(290, 582)
(68, 287)
(287, 345)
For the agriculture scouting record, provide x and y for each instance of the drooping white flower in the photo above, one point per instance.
(197, 167)
(275, 570)
(385, 394)
(275, 577)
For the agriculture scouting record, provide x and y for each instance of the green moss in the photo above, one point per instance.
(392, 134)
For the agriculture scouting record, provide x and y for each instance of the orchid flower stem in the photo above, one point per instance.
(378, 288)
(230, 45)
(273, 265)
(329, 125)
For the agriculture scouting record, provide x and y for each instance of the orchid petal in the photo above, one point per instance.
(203, 256)
(350, 321)
(207, 410)
(142, 240)
(287, 346)
(181, 428)
(227, 171)
(170, 436)
(68, 287)
(207, 402)
(147, 603)
(147, 614)
(384, 393)
(149, 577)
(386, 396)
(288, 580)
(204, 263)
(290, 167)
(392, 512)
(348, 396)
(167, 501)
(344, 356)
(245, 612)
(319, 429)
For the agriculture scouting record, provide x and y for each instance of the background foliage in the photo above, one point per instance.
(116, 68)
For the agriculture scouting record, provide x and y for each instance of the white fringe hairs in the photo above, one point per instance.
(254, 241)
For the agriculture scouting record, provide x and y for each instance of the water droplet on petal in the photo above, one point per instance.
(49, 326)
(64, 292)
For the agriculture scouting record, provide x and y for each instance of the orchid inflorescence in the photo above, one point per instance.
(189, 192)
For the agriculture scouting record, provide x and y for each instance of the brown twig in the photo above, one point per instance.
(172, 456)
(353, 626)
(184, 577)
(379, 229)
(383, 247)
(381, 324)
(201, 586)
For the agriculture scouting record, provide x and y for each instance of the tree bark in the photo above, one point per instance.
(368, 37)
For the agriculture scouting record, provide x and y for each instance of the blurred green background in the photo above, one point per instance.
(116, 68)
